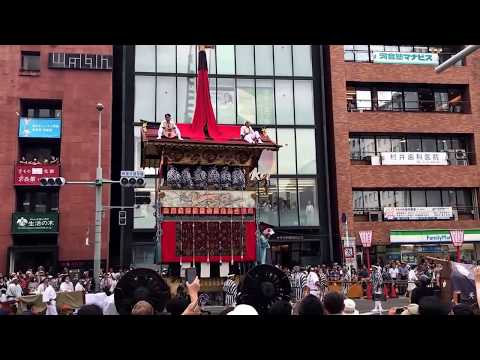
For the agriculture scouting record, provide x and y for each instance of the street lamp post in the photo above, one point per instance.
(98, 205)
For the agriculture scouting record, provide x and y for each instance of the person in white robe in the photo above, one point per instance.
(48, 297)
(41, 288)
(79, 286)
(249, 135)
(66, 285)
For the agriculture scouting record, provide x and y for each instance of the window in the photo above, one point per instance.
(355, 148)
(144, 98)
(265, 102)
(245, 63)
(30, 61)
(282, 55)
(411, 100)
(211, 60)
(426, 100)
(166, 97)
(464, 200)
(166, 58)
(186, 94)
(145, 58)
(441, 101)
(399, 144)
(284, 102)
(41, 108)
(429, 145)
(143, 213)
(414, 143)
(143, 254)
(383, 144)
(37, 201)
(387, 198)
(286, 154)
(307, 197)
(367, 147)
(449, 198)
(302, 60)
(186, 59)
(263, 60)
(357, 198)
(226, 106)
(390, 100)
(303, 91)
(418, 198)
(370, 200)
(225, 59)
(306, 156)
(287, 196)
(246, 101)
(364, 99)
(267, 164)
(268, 204)
(402, 198)
(434, 198)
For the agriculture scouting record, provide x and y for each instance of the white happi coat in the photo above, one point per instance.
(48, 297)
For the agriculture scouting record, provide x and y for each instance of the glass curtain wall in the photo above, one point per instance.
(269, 85)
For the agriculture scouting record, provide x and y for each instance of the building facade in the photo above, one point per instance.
(405, 146)
(277, 87)
(48, 115)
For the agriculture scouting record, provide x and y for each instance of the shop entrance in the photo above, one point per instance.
(24, 258)
(281, 255)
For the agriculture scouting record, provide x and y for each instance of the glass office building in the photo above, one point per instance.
(277, 87)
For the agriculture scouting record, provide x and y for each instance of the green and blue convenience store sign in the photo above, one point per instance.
(430, 236)
(35, 223)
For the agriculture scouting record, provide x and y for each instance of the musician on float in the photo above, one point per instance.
(169, 129)
(250, 136)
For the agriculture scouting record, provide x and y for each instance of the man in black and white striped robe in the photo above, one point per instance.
(230, 290)
(299, 284)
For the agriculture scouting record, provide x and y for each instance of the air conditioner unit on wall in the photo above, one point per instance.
(374, 216)
(461, 154)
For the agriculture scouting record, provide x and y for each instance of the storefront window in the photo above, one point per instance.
(307, 197)
(268, 204)
(246, 101)
(286, 154)
(186, 94)
(306, 152)
(166, 59)
(288, 208)
(284, 102)
(144, 98)
(303, 93)
(145, 58)
(282, 55)
(245, 63)
(166, 97)
(265, 102)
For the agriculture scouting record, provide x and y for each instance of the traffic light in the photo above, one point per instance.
(122, 218)
(55, 181)
(132, 181)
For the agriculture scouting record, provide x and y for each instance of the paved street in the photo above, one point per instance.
(363, 305)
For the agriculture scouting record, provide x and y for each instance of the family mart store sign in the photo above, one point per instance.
(430, 236)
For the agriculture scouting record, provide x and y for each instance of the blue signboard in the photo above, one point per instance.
(40, 128)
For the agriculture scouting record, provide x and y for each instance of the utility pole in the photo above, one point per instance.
(98, 205)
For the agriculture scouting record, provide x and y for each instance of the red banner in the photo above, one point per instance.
(28, 174)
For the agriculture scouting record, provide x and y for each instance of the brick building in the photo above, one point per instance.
(48, 103)
(391, 116)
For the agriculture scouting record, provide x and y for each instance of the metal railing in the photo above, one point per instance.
(375, 105)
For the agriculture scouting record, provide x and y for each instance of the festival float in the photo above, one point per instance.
(206, 188)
